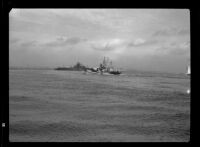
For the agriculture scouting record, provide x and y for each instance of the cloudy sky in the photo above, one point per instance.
(143, 39)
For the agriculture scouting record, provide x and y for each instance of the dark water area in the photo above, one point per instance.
(65, 106)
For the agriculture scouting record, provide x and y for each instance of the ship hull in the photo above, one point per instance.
(104, 73)
(115, 72)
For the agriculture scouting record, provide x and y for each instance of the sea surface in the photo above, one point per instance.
(70, 106)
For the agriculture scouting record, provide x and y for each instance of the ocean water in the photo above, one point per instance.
(69, 106)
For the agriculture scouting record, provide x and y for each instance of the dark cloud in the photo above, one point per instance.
(175, 48)
(161, 33)
(172, 32)
(73, 41)
(107, 47)
(58, 42)
(183, 32)
(178, 51)
(181, 49)
(29, 43)
(14, 40)
(62, 41)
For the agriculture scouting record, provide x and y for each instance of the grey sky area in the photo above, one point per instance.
(141, 39)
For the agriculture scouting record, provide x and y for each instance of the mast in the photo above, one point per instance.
(110, 64)
(104, 62)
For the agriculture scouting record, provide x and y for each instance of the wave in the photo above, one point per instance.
(67, 130)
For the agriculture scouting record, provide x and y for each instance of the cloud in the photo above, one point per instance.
(119, 46)
(107, 45)
(61, 38)
(112, 48)
(141, 42)
(106, 17)
(171, 32)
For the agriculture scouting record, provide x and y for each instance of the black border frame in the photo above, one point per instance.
(9, 4)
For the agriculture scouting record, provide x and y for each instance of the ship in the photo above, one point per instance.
(188, 73)
(188, 70)
(105, 68)
(77, 67)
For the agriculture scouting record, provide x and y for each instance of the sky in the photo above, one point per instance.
(140, 39)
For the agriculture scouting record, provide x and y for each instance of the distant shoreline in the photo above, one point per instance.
(30, 68)
(127, 70)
